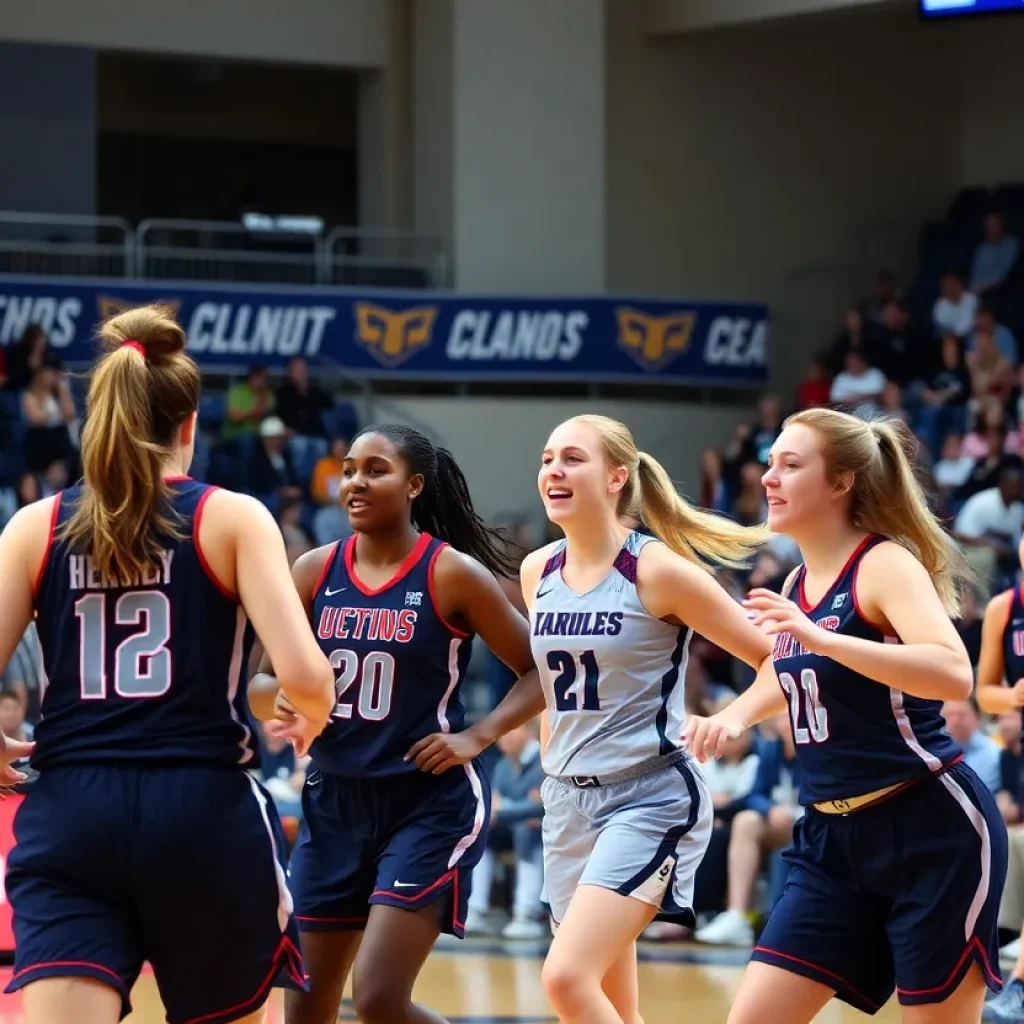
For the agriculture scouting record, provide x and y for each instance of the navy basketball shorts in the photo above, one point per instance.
(404, 841)
(904, 895)
(178, 866)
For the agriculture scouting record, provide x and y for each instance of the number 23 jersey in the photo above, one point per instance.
(612, 673)
(853, 735)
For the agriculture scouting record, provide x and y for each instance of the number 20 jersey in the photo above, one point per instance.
(613, 674)
(398, 665)
(153, 671)
(853, 735)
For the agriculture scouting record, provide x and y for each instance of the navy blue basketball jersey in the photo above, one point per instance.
(853, 735)
(399, 665)
(145, 670)
(1013, 639)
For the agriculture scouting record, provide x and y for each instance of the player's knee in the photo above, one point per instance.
(378, 1000)
(568, 986)
(747, 825)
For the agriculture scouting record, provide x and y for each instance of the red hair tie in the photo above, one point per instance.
(135, 345)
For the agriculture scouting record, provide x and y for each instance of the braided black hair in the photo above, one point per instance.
(444, 508)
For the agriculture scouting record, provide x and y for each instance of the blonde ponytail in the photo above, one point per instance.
(703, 537)
(886, 496)
(141, 391)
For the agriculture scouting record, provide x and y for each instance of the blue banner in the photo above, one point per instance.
(413, 334)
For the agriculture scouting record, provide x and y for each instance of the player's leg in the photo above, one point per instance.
(71, 1001)
(766, 985)
(212, 896)
(598, 931)
(943, 927)
(329, 956)
(621, 984)
(401, 940)
(77, 954)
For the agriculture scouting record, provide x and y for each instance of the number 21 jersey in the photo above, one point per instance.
(853, 735)
(613, 674)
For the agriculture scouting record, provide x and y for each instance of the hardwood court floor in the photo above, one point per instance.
(488, 982)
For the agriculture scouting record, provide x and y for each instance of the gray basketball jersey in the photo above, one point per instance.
(613, 674)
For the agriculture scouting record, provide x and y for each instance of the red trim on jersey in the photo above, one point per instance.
(433, 597)
(973, 947)
(833, 978)
(885, 631)
(54, 513)
(328, 562)
(802, 597)
(196, 520)
(50, 965)
(403, 570)
(177, 478)
(414, 897)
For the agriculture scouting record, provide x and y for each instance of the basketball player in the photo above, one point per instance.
(899, 862)
(386, 851)
(144, 837)
(1001, 689)
(627, 814)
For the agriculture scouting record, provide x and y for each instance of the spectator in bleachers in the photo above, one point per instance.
(329, 521)
(12, 717)
(24, 673)
(750, 507)
(986, 323)
(991, 435)
(713, 493)
(516, 813)
(943, 398)
(963, 723)
(50, 416)
(904, 351)
(289, 517)
(994, 258)
(859, 386)
(855, 336)
(952, 469)
(956, 308)
(764, 825)
(282, 774)
(270, 470)
(32, 352)
(885, 292)
(991, 373)
(55, 477)
(249, 403)
(891, 403)
(816, 386)
(25, 491)
(989, 528)
(301, 402)
(752, 441)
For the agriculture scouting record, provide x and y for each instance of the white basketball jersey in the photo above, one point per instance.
(613, 674)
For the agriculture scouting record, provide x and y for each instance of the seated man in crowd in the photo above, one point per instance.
(516, 813)
(982, 754)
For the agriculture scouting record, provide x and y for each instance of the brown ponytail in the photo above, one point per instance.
(707, 539)
(139, 395)
(886, 497)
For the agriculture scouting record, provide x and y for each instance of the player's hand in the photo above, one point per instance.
(13, 750)
(443, 750)
(299, 731)
(706, 737)
(284, 711)
(774, 614)
(1018, 692)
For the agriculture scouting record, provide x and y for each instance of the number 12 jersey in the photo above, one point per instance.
(853, 735)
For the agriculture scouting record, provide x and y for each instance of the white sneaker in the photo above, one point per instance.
(524, 928)
(1009, 953)
(477, 923)
(729, 929)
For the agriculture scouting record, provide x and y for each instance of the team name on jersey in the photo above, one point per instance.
(83, 575)
(578, 624)
(787, 647)
(387, 624)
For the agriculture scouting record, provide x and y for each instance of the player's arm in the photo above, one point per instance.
(270, 600)
(895, 591)
(264, 686)
(994, 696)
(478, 599)
(23, 545)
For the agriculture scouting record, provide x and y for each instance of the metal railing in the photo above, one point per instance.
(66, 245)
(185, 250)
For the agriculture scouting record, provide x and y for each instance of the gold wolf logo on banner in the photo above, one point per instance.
(390, 337)
(654, 341)
(108, 306)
